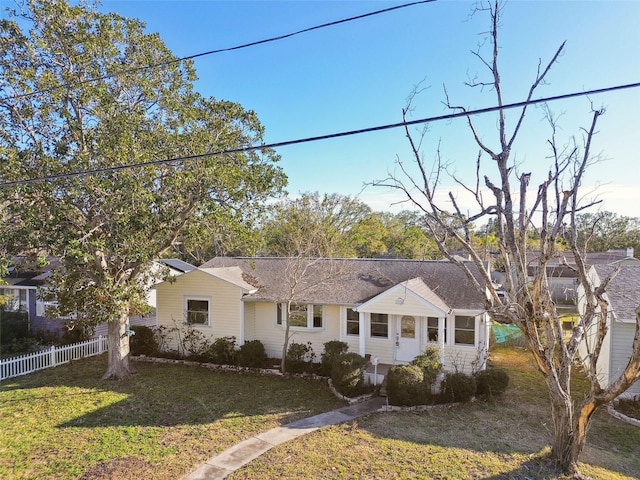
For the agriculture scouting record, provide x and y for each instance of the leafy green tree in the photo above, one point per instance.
(326, 218)
(603, 231)
(108, 226)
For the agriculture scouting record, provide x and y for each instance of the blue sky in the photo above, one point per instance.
(359, 74)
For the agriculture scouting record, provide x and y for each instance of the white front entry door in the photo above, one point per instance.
(407, 338)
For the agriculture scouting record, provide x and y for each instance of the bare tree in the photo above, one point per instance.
(305, 274)
(527, 303)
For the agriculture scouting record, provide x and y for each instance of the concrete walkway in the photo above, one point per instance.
(217, 468)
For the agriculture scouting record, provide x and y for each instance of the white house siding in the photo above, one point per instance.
(272, 335)
(249, 321)
(266, 330)
(352, 341)
(621, 340)
(587, 345)
(225, 304)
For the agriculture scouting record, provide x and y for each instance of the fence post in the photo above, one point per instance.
(53, 356)
(100, 350)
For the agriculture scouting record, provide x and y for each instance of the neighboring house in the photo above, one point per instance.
(561, 273)
(22, 288)
(26, 282)
(389, 309)
(623, 295)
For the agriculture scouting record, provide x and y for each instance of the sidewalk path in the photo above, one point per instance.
(217, 468)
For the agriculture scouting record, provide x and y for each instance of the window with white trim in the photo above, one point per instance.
(465, 330)
(353, 322)
(198, 310)
(302, 315)
(432, 329)
(13, 299)
(379, 325)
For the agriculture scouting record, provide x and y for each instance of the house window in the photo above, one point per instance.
(13, 299)
(465, 331)
(298, 315)
(353, 322)
(279, 313)
(379, 325)
(302, 315)
(317, 316)
(408, 327)
(198, 311)
(432, 330)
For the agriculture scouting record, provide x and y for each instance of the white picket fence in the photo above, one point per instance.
(51, 357)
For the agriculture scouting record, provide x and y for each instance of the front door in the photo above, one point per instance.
(407, 338)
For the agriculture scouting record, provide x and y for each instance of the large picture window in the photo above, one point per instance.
(379, 325)
(353, 322)
(198, 311)
(465, 330)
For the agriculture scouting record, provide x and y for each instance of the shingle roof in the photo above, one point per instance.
(351, 281)
(623, 291)
(232, 275)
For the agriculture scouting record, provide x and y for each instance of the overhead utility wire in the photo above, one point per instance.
(219, 50)
(322, 137)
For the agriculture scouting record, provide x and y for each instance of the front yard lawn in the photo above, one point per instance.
(507, 438)
(65, 423)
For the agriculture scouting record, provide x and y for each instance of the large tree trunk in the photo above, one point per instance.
(570, 433)
(118, 342)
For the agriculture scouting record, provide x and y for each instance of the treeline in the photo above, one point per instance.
(334, 225)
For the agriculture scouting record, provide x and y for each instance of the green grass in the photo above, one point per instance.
(163, 422)
(506, 438)
(65, 423)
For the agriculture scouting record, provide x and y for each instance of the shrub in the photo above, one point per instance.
(458, 387)
(492, 381)
(223, 351)
(332, 349)
(300, 358)
(194, 344)
(405, 385)
(14, 326)
(252, 354)
(76, 332)
(429, 363)
(143, 342)
(347, 374)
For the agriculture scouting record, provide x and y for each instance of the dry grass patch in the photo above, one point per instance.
(504, 438)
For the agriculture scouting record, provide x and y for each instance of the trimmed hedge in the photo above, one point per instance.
(299, 358)
(252, 354)
(347, 374)
(458, 387)
(223, 351)
(492, 381)
(405, 385)
(143, 342)
(429, 363)
(332, 350)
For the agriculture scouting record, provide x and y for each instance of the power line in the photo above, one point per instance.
(219, 50)
(322, 137)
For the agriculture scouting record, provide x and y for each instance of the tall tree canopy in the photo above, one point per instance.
(343, 226)
(524, 231)
(108, 226)
(604, 231)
